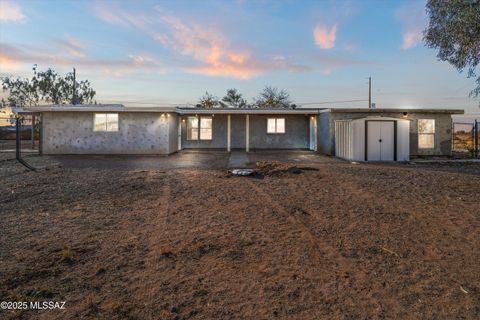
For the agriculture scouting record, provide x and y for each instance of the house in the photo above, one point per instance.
(353, 134)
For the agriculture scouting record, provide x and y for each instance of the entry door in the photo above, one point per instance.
(380, 141)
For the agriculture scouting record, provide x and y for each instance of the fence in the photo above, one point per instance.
(29, 133)
(466, 138)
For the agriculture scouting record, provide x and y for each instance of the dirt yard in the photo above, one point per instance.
(349, 241)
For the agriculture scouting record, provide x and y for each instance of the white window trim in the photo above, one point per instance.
(106, 123)
(276, 126)
(199, 127)
(426, 134)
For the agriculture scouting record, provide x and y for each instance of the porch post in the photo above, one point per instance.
(247, 133)
(315, 131)
(179, 134)
(229, 134)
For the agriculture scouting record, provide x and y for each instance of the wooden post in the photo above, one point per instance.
(247, 133)
(229, 133)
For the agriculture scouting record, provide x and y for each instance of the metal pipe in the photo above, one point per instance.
(18, 146)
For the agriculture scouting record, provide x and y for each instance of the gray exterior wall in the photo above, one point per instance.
(238, 136)
(219, 135)
(296, 134)
(324, 141)
(139, 133)
(443, 133)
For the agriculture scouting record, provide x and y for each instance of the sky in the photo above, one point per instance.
(146, 53)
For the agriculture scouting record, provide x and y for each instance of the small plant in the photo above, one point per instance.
(67, 254)
(166, 252)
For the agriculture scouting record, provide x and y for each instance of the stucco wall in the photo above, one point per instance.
(139, 133)
(238, 131)
(219, 135)
(443, 126)
(324, 141)
(296, 136)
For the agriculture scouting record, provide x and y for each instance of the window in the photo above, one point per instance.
(276, 125)
(205, 128)
(426, 133)
(105, 122)
(199, 128)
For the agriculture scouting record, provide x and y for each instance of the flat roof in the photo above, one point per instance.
(393, 110)
(186, 111)
(93, 108)
(246, 111)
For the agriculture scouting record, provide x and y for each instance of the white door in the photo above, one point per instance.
(380, 144)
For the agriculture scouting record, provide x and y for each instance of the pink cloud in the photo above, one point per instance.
(325, 37)
(74, 47)
(411, 39)
(11, 12)
(413, 20)
(214, 54)
(14, 59)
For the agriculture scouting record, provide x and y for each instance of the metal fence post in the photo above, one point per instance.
(475, 136)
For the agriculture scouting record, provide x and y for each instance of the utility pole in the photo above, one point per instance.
(74, 98)
(369, 92)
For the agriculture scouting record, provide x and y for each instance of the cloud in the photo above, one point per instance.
(17, 58)
(72, 46)
(213, 53)
(413, 20)
(115, 15)
(324, 36)
(411, 39)
(11, 12)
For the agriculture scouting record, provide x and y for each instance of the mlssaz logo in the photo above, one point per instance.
(41, 305)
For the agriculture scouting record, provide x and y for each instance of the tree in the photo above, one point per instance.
(271, 97)
(454, 30)
(233, 99)
(47, 87)
(208, 101)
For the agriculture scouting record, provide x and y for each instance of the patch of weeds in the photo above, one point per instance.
(166, 252)
(39, 293)
(118, 308)
(300, 211)
(100, 270)
(67, 256)
(200, 293)
(91, 304)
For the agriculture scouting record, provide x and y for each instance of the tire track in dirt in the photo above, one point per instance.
(147, 290)
(318, 248)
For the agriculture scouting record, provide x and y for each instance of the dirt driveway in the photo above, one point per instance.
(349, 241)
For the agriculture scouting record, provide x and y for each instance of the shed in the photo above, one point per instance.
(373, 139)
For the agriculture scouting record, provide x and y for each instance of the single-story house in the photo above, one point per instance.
(353, 134)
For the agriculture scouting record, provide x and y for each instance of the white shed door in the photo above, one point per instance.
(380, 144)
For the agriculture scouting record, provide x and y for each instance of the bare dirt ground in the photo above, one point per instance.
(364, 241)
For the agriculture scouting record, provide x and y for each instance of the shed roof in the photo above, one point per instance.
(392, 110)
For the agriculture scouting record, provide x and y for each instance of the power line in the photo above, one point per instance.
(339, 101)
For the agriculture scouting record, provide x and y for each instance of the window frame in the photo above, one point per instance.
(106, 128)
(198, 135)
(276, 125)
(431, 133)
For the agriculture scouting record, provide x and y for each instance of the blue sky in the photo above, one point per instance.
(171, 52)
